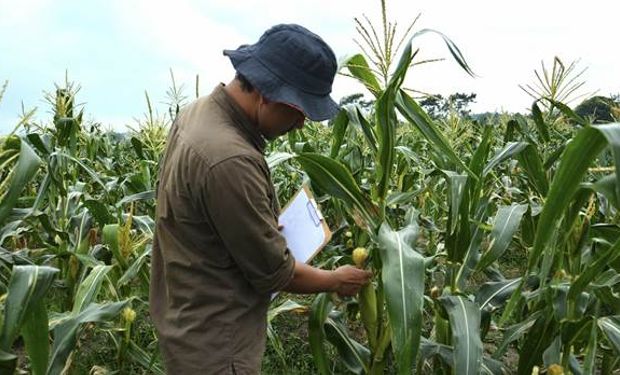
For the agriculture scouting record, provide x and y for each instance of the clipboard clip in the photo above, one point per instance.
(314, 213)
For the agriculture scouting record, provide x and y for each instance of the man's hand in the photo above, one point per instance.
(348, 280)
(345, 280)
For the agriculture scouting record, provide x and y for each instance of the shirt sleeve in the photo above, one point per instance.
(237, 199)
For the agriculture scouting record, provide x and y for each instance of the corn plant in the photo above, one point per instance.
(75, 199)
(25, 314)
(392, 310)
(480, 228)
(433, 208)
(571, 263)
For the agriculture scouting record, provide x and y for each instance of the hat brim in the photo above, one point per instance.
(315, 107)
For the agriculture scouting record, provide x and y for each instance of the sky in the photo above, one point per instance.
(118, 49)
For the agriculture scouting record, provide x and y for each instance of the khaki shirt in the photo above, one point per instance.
(217, 252)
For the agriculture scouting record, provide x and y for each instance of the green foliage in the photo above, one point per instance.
(487, 191)
(501, 232)
(599, 109)
(64, 185)
(439, 107)
(25, 313)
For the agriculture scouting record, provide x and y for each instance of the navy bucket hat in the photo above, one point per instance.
(289, 64)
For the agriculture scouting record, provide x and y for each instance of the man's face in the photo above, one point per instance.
(276, 119)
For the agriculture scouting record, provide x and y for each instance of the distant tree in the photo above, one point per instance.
(599, 109)
(460, 103)
(616, 111)
(439, 107)
(433, 105)
(358, 99)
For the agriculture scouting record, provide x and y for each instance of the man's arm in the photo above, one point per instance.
(346, 280)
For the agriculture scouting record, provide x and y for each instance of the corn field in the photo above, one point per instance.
(495, 244)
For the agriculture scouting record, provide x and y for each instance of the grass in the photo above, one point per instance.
(293, 332)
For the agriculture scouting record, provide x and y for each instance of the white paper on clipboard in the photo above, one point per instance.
(305, 229)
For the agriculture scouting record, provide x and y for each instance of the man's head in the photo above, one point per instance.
(292, 70)
(273, 119)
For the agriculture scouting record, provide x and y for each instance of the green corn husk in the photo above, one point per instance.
(368, 311)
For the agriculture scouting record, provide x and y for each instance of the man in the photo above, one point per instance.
(217, 253)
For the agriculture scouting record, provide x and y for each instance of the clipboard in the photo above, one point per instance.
(305, 229)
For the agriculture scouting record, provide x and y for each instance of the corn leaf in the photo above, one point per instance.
(142, 196)
(509, 150)
(277, 158)
(612, 134)
(578, 156)
(537, 340)
(99, 211)
(356, 118)
(94, 175)
(506, 222)
(386, 137)
(476, 165)
(472, 254)
(28, 285)
(36, 141)
(553, 354)
(135, 267)
(403, 282)
(284, 307)
(385, 112)
(456, 183)
(589, 361)
(429, 349)
(481, 154)
(532, 164)
(110, 238)
(339, 128)
(593, 270)
(27, 165)
(146, 360)
(354, 355)
(35, 333)
(607, 186)
(66, 332)
(568, 112)
(605, 287)
(8, 362)
(334, 178)
(423, 123)
(491, 295)
(358, 67)
(515, 332)
(464, 319)
(316, 332)
(541, 126)
(454, 50)
(610, 325)
(89, 288)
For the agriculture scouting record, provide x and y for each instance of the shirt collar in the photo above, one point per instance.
(240, 119)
